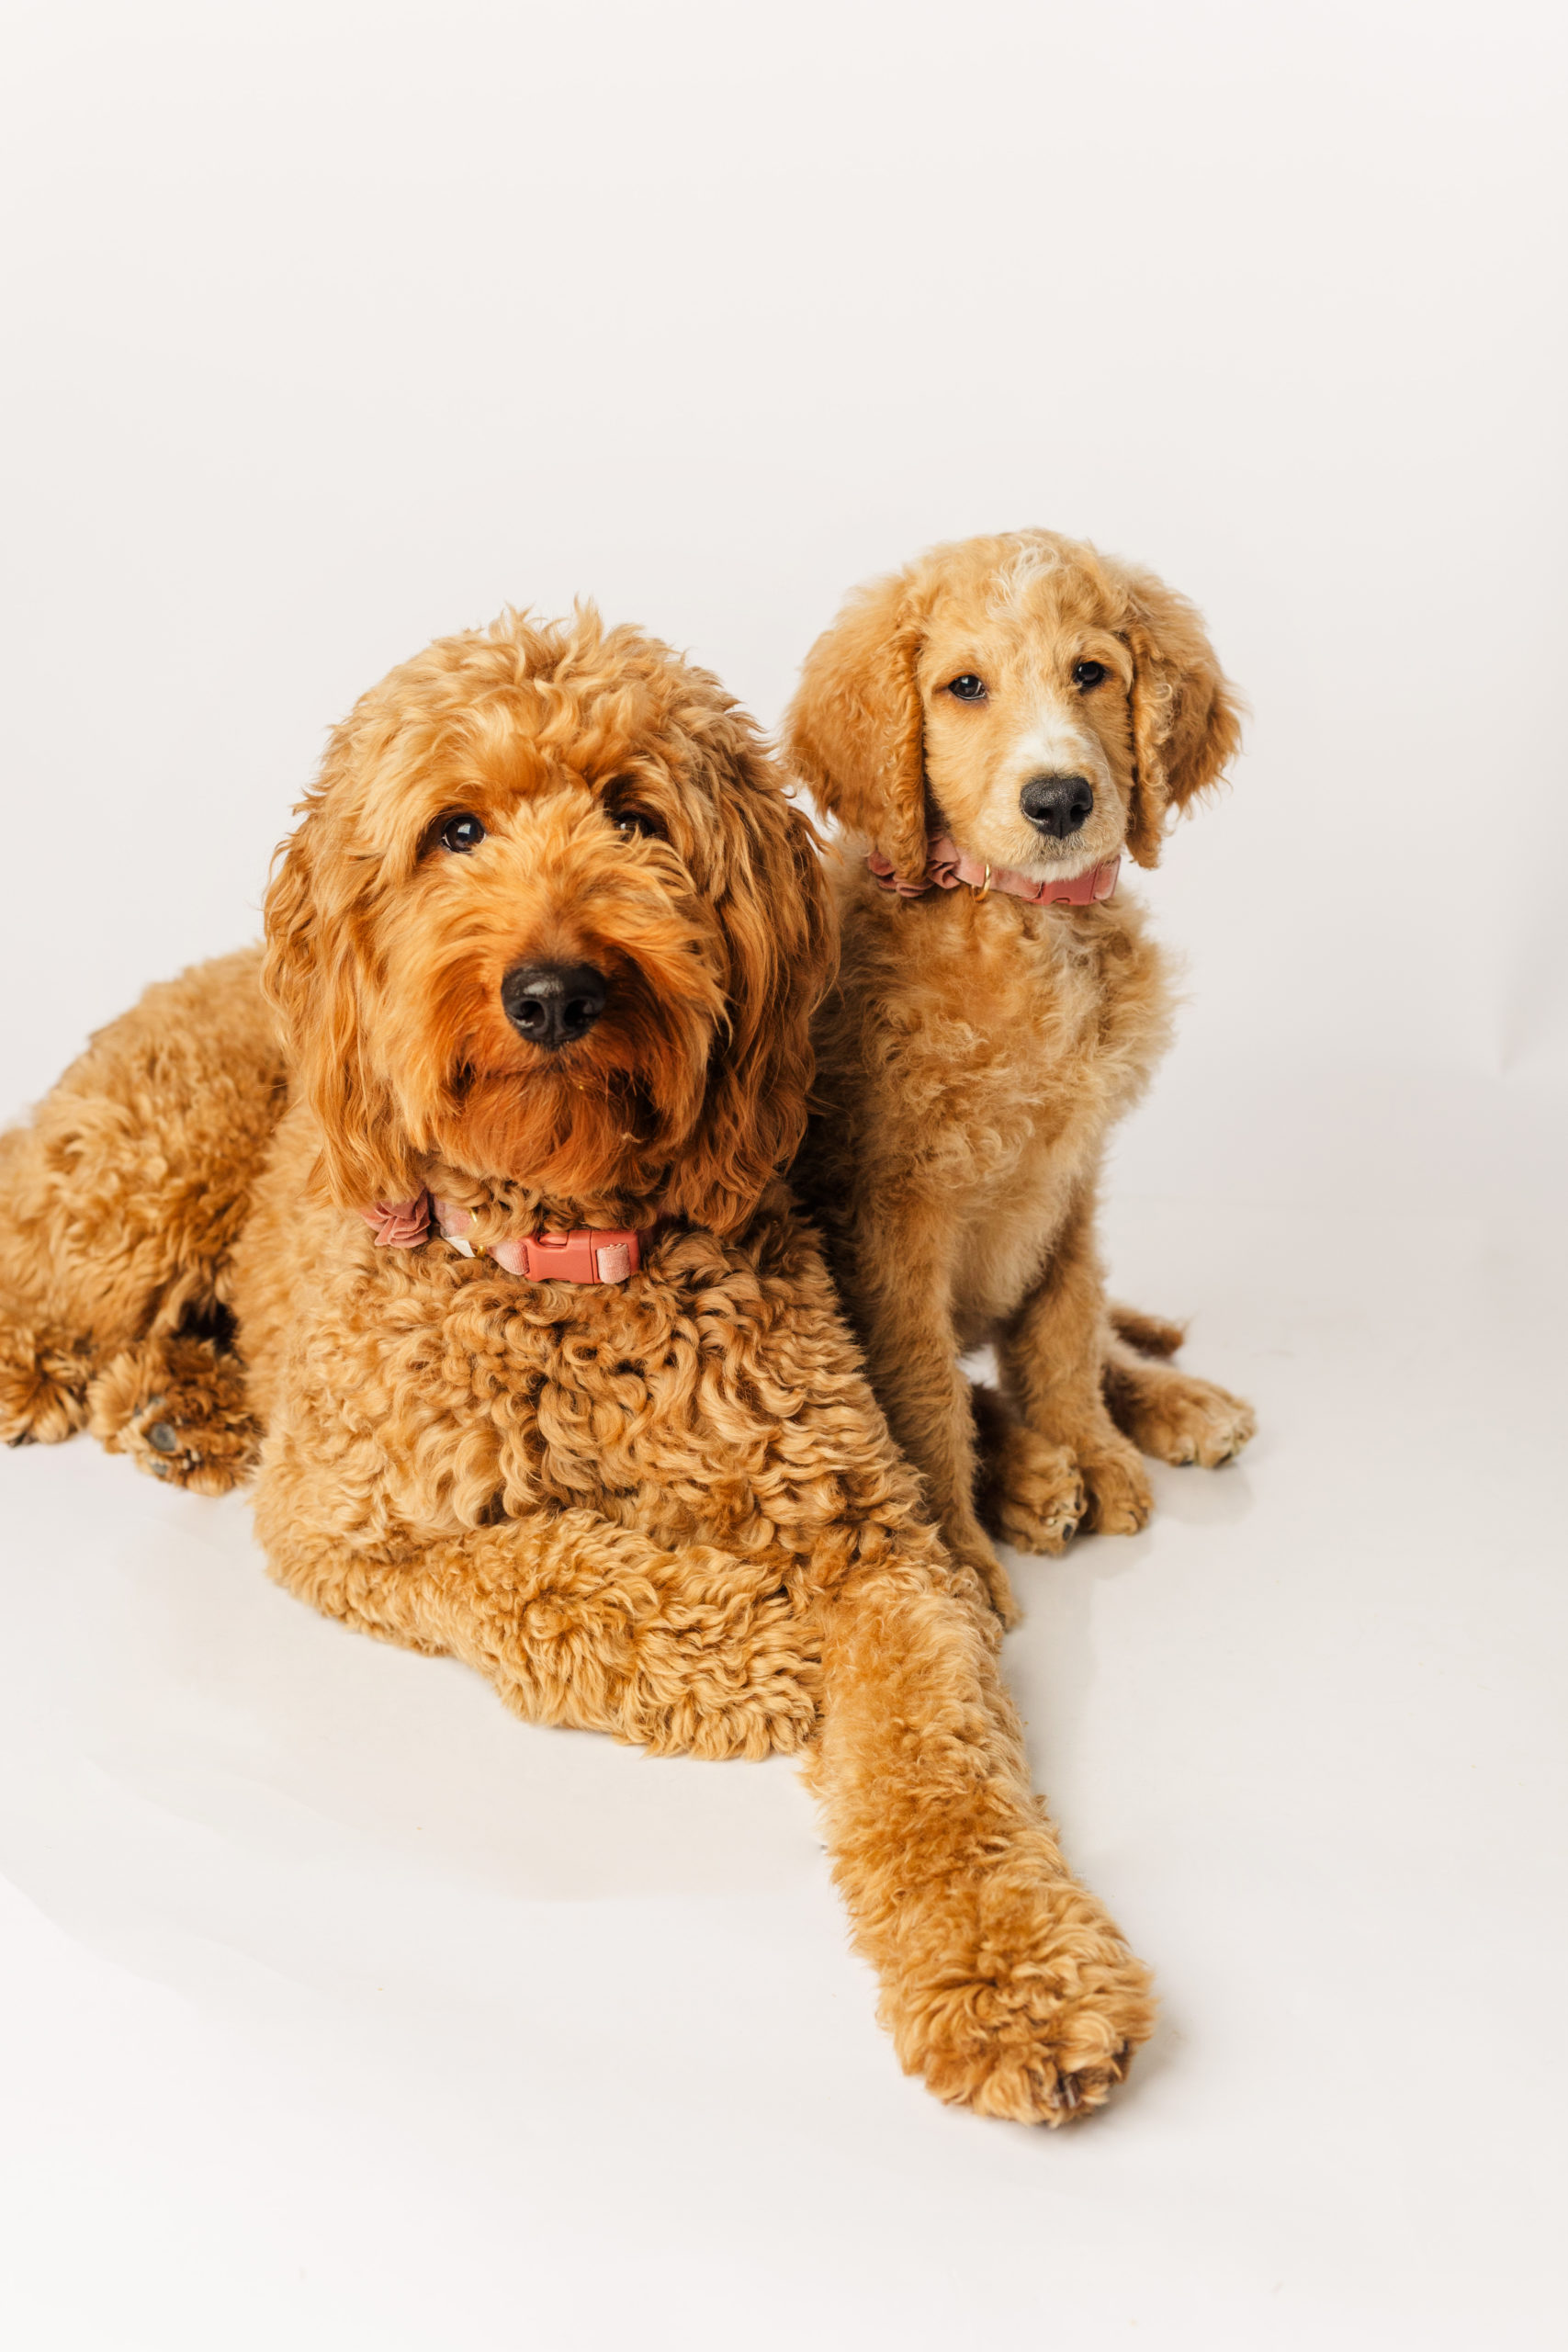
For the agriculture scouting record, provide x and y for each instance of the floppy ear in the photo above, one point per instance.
(855, 731)
(1186, 713)
(312, 974)
(776, 916)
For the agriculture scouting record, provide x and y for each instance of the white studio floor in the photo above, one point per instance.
(339, 2009)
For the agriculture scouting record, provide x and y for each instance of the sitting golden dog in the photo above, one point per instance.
(550, 1372)
(996, 725)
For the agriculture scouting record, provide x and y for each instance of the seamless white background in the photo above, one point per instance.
(339, 2008)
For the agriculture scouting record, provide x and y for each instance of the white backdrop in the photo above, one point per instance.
(331, 327)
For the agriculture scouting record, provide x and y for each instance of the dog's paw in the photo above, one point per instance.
(43, 1386)
(1034, 1497)
(1120, 1499)
(1037, 2030)
(1177, 1418)
(178, 1409)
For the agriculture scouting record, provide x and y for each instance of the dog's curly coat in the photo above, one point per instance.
(978, 1047)
(670, 1509)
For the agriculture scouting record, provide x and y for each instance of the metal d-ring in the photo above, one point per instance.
(985, 884)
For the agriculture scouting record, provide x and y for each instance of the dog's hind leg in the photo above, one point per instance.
(119, 1204)
(44, 1379)
(178, 1406)
(1172, 1414)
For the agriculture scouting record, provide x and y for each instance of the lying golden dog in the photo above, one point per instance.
(548, 1372)
(994, 725)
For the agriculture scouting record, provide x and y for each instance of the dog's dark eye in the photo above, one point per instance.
(1087, 674)
(634, 824)
(968, 689)
(462, 834)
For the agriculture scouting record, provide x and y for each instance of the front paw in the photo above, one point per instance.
(1041, 2023)
(1034, 1496)
(1120, 1498)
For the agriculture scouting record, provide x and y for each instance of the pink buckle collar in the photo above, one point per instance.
(947, 866)
(588, 1254)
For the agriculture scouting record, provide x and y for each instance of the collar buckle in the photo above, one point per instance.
(584, 1255)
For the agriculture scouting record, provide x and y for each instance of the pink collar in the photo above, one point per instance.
(585, 1255)
(947, 866)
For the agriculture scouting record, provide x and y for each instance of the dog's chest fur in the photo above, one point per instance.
(443, 1393)
(971, 1061)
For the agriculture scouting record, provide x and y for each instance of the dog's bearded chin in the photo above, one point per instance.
(577, 1125)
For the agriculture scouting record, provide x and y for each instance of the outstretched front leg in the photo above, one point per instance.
(119, 1207)
(1005, 1983)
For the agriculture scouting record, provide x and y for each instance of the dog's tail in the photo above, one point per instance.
(1151, 1335)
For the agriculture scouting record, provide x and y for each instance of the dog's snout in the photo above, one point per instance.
(1058, 804)
(553, 1004)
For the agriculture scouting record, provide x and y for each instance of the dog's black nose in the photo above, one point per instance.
(553, 1004)
(1058, 804)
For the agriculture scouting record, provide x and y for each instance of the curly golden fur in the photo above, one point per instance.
(977, 1049)
(669, 1508)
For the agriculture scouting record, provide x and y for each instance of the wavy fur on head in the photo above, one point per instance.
(977, 1050)
(885, 748)
(386, 951)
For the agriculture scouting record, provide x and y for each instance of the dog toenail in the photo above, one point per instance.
(163, 1437)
